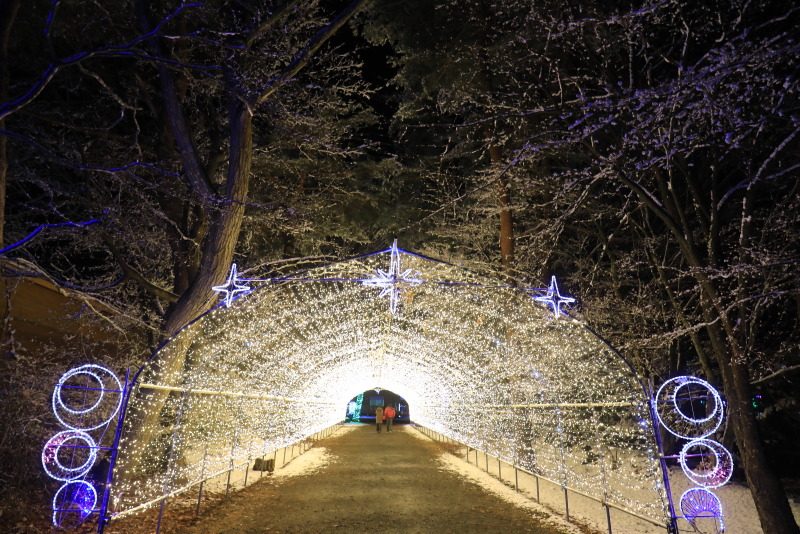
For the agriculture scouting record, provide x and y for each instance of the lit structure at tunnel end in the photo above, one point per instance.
(478, 360)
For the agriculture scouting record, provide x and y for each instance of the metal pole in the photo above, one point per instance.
(499, 469)
(202, 481)
(673, 522)
(516, 478)
(160, 514)
(486, 457)
(566, 502)
(608, 517)
(103, 518)
(537, 489)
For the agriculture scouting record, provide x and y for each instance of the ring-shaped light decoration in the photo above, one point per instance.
(53, 466)
(98, 373)
(685, 385)
(698, 503)
(86, 500)
(670, 414)
(717, 475)
(66, 376)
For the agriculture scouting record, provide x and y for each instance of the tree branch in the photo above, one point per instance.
(302, 58)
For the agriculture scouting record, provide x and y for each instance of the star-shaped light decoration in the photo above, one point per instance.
(554, 299)
(392, 280)
(231, 287)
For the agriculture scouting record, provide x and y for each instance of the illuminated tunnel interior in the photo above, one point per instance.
(476, 360)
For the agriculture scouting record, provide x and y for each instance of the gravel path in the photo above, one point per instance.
(372, 483)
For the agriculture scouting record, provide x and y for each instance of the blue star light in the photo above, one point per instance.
(231, 287)
(554, 299)
(390, 281)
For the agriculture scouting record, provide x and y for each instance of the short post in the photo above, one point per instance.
(537, 489)
(246, 470)
(202, 480)
(608, 517)
(499, 469)
(486, 457)
(467, 454)
(516, 478)
(566, 502)
(161, 514)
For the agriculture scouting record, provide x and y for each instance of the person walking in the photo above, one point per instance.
(388, 415)
(378, 418)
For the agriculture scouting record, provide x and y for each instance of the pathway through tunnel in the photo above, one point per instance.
(372, 482)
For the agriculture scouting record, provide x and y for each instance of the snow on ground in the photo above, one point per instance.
(307, 463)
(296, 463)
(494, 486)
(740, 515)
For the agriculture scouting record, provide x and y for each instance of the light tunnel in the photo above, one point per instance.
(477, 360)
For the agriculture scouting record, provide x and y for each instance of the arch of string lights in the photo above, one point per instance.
(485, 363)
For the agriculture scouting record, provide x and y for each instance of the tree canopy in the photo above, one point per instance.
(645, 152)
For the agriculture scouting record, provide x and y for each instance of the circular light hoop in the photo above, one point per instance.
(84, 511)
(52, 448)
(95, 372)
(723, 464)
(66, 376)
(700, 502)
(709, 388)
(704, 426)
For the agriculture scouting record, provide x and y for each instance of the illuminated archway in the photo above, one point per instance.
(480, 361)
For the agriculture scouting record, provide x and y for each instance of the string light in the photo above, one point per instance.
(99, 374)
(679, 397)
(712, 474)
(231, 287)
(77, 493)
(676, 402)
(77, 496)
(392, 280)
(554, 299)
(476, 360)
(698, 503)
(50, 455)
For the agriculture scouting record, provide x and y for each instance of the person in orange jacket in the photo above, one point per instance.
(388, 415)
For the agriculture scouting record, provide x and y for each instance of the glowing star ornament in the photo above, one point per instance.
(554, 299)
(231, 287)
(392, 280)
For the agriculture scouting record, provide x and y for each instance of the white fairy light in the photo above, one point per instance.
(475, 359)
(50, 455)
(231, 287)
(99, 374)
(672, 415)
(713, 474)
(392, 280)
(554, 299)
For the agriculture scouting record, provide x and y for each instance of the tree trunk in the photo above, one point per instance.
(769, 496)
(765, 486)
(506, 219)
(218, 248)
(8, 13)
